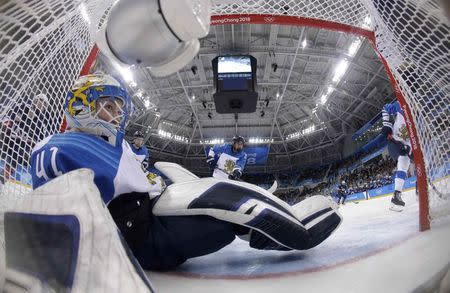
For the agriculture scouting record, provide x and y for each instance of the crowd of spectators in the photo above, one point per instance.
(370, 175)
(294, 195)
(259, 179)
(358, 177)
(290, 195)
(374, 174)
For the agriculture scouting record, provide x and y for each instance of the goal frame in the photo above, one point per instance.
(422, 187)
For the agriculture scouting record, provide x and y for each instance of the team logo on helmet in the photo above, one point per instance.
(79, 100)
(86, 100)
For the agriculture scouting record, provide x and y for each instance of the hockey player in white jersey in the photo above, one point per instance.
(193, 216)
(399, 147)
(228, 160)
(142, 154)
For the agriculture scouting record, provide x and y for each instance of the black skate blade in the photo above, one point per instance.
(396, 208)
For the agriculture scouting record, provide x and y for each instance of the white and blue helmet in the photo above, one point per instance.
(93, 94)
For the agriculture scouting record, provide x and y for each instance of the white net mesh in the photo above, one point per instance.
(43, 47)
(44, 44)
(414, 38)
(350, 12)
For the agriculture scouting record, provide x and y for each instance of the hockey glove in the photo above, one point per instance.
(211, 163)
(403, 149)
(386, 131)
(235, 175)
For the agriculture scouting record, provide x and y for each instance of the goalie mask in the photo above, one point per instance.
(99, 105)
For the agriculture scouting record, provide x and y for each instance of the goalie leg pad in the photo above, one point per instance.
(320, 217)
(236, 202)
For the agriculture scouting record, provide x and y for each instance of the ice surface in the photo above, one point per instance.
(368, 227)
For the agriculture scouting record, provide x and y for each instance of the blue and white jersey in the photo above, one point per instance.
(117, 169)
(399, 130)
(141, 153)
(227, 160)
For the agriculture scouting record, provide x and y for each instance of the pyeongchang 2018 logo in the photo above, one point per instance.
(231, 20)
(419, 170)
(414, 143)
(412, 135)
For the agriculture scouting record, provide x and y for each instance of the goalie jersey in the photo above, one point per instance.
(117, 169)
(399, 131)
(227, 160)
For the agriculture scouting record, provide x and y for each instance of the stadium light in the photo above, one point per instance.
(213, 141)
(330, 89)
(166, 134)
(127, 75)
(304, 43)
(354, 47)
(340, 70)
(258, 140)
(324, 97)
(309, 130)
(84, 13)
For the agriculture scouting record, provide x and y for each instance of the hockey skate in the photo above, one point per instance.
(397, 203)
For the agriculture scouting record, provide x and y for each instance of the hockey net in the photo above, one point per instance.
(46, 44)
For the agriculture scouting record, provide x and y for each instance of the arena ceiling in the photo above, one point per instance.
(316, 87)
